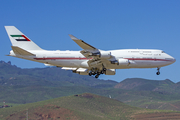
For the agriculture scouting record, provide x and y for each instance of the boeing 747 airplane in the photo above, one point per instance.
(90, 60)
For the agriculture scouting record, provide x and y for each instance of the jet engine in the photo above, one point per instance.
(110, 72)
(123, 62)
(102, 54)
(105, 54)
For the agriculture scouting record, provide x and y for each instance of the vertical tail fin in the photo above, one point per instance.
(18, 39)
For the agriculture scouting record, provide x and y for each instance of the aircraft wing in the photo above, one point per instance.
(97, 57)
(88, 50)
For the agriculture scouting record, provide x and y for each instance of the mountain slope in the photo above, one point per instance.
(21, 86)
(11, 75)
(142, 84)
(83, 107)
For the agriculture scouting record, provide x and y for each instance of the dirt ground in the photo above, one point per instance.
(48, 112)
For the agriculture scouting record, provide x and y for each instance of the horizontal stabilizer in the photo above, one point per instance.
(21, 51)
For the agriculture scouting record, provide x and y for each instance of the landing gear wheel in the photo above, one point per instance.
(90, 73)
(158, 73)
(96, 76)
(93, 73)
(103, 71)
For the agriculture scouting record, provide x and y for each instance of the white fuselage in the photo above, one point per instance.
(90, 60)
(138, 58)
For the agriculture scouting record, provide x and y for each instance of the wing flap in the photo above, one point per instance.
(68, 68)
(48, 65)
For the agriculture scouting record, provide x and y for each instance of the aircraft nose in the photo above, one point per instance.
(173, 60)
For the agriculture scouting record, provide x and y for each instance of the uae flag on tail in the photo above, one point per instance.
(20, 38)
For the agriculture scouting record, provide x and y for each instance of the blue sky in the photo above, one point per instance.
(105, 24)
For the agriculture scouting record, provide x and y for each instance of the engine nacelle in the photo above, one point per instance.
(123, 62)
(110, 72)
(105, 54)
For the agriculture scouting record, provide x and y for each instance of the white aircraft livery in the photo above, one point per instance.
(90, 60)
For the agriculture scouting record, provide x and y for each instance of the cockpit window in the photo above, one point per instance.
(162, 52)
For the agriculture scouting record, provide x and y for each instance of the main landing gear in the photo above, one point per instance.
(97, 72)
(158, 73)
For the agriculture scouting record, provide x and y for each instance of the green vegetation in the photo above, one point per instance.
(21, 86)
(85, 106)
(50, 76)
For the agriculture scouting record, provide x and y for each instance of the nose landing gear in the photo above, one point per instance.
(158, 73)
